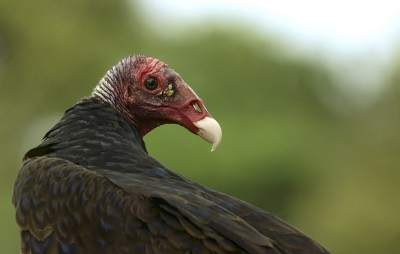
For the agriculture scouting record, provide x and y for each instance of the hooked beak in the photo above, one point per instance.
(210, 131)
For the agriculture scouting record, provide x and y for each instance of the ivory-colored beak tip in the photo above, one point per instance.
(210, 131)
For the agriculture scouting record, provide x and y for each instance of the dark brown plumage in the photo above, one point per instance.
(91, 187)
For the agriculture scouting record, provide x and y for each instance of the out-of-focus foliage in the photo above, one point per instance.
(334, 176)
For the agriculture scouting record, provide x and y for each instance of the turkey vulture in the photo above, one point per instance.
(91, 187)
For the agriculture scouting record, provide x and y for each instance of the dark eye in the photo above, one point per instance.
(151, 83)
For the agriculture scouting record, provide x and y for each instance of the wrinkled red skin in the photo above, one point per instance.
(152, 108)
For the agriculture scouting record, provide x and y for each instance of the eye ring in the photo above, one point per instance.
(151, 83)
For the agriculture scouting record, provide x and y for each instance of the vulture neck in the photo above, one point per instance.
(94, 135)
(109, 91)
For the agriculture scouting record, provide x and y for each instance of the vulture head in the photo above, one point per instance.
(149, 94)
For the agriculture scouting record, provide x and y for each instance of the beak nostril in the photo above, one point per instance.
(197, 108)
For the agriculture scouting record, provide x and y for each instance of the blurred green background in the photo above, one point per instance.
(294, 144)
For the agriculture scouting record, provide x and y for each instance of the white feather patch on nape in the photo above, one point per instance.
(105, 90)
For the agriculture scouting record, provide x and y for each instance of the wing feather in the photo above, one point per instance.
(66, 208)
